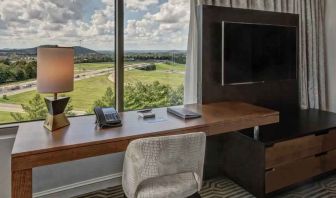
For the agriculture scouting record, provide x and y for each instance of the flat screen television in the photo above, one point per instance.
(255, 53)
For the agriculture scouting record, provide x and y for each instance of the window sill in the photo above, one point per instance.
(9, 130)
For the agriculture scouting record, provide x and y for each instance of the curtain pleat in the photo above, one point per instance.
(312, 67)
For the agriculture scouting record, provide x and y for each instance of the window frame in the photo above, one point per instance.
(119, 54)
(119, 63)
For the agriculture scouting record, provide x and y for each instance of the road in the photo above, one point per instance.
(11, 108)
(14, 89)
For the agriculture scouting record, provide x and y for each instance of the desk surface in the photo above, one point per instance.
(296, 124)
(35, 146)
(33, 138)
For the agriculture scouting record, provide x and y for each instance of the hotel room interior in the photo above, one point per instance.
(167, 98)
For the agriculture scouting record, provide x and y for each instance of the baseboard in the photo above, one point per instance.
(81, 187)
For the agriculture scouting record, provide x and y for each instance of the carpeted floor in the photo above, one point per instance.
(224, 188)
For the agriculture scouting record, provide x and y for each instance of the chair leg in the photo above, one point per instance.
(196, 195)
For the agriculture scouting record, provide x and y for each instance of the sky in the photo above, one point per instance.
(149, 24)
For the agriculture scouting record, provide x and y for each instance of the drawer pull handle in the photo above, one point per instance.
(270, 170)
(321, 154)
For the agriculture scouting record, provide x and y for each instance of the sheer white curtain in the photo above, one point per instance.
(191, 74)
(312, 68)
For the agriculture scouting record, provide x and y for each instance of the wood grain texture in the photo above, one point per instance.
(279, 95)
(35, 146)
(52, 157)
(216, 118)
(299, 124)
(291, 150)
(328, 161)
(292, 173)
(329, 142)
(22, 184)
(243, 161)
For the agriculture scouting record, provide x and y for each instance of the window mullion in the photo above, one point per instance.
(119, 54)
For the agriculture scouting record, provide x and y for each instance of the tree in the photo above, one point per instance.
(148, 67)
(36, 109)
(31, 69)
(19, 74)
(6, 62)
(141, 96)
(176, 96)
(5, 74)
(107, 100)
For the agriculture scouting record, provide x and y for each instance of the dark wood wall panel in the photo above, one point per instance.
(279, 95)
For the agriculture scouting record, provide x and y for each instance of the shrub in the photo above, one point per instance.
(140, 96)
(149, 67)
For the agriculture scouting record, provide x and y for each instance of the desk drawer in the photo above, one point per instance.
(291, 150)
(329, 142)
(292, 173)
(328, 161)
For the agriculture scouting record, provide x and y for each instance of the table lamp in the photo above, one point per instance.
(55, 74)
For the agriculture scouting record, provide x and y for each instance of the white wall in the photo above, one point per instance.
(331, 52)
(78, 177)
(64, 179)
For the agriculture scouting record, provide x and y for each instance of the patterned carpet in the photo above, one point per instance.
(224, 188)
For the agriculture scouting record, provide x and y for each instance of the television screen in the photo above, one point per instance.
(258, 53)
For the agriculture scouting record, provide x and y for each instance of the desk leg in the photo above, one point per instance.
(22, 184)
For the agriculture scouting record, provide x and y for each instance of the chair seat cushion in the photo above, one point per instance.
(172, 186)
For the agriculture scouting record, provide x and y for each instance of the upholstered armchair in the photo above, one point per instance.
(167, 166)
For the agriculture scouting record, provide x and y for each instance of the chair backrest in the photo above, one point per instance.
(160, 156)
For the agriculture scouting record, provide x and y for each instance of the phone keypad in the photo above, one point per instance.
(110, 114)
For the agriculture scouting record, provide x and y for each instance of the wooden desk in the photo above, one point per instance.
(35, 146)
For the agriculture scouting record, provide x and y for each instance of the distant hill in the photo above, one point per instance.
(79, 51)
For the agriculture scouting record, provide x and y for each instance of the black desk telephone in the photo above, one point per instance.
(107, 117)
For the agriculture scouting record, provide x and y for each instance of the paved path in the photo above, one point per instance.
(14, 108)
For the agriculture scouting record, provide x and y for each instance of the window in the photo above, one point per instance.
(155, 39)
(155, 43)
(87, 25)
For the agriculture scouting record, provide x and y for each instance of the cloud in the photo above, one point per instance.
(56, 21)
(174, 11)
(139, 28)
(139, 5)
(2, 24)
(165, 28)
(28, 23)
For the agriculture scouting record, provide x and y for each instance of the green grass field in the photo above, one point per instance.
(89, 90)
(175, 67)
(84, 67)
(165, 74)
(5, 117)
(84, 94)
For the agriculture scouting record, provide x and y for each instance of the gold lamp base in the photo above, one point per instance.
(54, 122)
(56, 118)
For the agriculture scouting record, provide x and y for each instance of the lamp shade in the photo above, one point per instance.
(55, 69)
